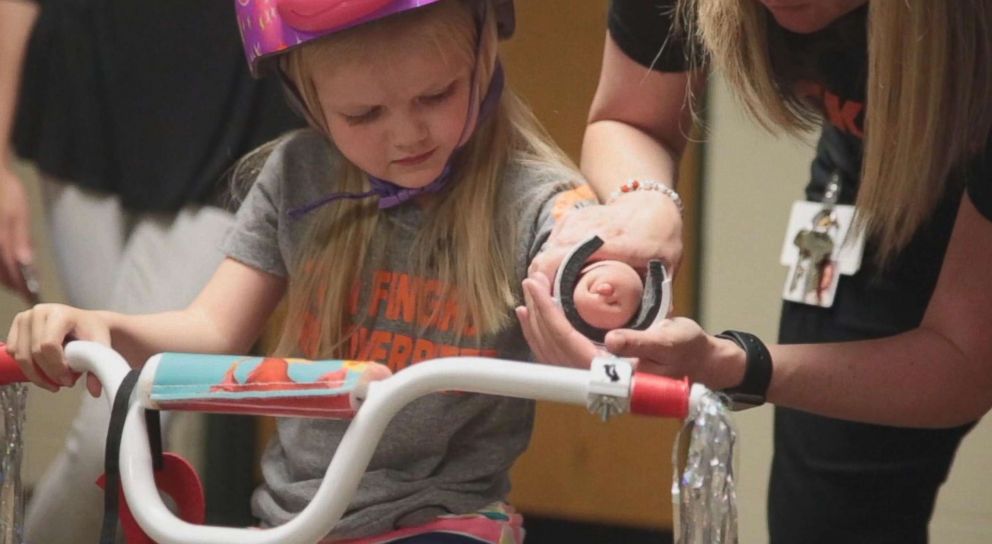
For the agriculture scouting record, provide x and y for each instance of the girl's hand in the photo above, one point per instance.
(549, 334)
(15, 233)
(636, 228)
(679, 347)
(36, 338)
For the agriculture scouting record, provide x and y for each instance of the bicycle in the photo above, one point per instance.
(332, 388)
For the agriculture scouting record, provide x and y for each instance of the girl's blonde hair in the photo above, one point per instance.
(929, 79)
(462, 243)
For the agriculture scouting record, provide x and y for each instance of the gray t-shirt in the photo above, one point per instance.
(444, 453)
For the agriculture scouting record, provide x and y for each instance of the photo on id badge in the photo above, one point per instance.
(819, 247)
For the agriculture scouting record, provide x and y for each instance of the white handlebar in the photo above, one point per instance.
(609, 386)
(383, 400)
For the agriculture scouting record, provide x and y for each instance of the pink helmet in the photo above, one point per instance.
(271, 27)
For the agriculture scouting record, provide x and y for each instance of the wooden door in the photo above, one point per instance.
(577, 467)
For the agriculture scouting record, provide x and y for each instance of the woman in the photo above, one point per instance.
(905, 342)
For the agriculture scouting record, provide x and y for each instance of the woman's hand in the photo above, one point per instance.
(636, 228)
(672, 347)
(36, 338)
(680, 347)
(15, 233)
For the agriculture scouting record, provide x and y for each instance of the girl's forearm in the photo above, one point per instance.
(138, 337)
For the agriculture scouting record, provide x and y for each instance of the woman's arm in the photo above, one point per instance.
(638, 126)
(639, 123)
(937, 375)
(227, 317)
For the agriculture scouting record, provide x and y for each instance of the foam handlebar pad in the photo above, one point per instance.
(261, 385)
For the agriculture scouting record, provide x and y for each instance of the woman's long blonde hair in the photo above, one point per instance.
(462, 242)
(928, 97)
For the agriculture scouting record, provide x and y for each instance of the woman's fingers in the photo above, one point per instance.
(15, 233)
(635, 228)
(672, 347)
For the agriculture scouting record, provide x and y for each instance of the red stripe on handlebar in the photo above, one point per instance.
(653, 395)
(10, 371)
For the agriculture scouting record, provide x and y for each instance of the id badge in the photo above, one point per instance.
(820, 245)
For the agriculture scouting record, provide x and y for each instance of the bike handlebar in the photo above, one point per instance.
(608, 387)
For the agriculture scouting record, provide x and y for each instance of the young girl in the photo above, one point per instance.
(426, 264)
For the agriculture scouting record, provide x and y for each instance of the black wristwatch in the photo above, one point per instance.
(757, 371)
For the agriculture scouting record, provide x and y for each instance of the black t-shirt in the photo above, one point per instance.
(149, 100)
(832, 68)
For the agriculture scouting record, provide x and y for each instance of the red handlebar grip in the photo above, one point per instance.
(10, 371)
(654, 395)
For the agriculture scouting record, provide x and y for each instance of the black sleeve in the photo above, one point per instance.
(643, 31)
(979, 185)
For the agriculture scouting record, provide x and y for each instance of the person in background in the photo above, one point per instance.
(904, 126)
(132, 112)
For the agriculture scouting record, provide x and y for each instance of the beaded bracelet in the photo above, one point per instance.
(635, 185)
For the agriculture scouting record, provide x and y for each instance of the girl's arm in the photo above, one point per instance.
(937, 375)
(227, 317)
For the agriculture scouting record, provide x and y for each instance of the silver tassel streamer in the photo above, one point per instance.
(703, 493)
(12, 402)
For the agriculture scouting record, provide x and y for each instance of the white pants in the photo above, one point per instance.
(110, 258)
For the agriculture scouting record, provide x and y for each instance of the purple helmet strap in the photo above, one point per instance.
(389, 193)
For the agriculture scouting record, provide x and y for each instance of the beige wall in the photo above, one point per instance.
(750, 181)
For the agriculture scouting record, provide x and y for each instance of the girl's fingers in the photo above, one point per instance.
(23, 353)
(12, 337)
(50, 369)
(93, 385)
(51, 339)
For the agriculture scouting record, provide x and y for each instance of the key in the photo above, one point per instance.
(800, 271)
(815, 247)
